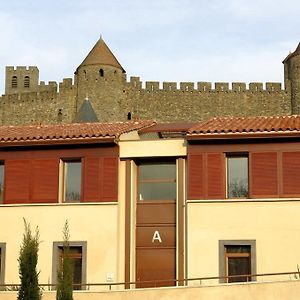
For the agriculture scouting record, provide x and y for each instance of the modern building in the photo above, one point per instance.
(154, 204)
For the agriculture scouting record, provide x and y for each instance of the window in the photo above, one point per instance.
(26, 82)
(77, 252)
(101, 73)
(157, 181)
(1, 181)
(237, 258)
(14, 82)
(2, 262)
(237, 176)
(71, 180)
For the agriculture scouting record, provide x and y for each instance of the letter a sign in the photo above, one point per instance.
(156, 237)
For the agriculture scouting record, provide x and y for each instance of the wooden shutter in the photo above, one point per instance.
(215, 176)
(195, 177)
(17, 181)
(91, 179)
(45, 180)
(100, 179)
(264, 174)
(110, 179)
(291, 173)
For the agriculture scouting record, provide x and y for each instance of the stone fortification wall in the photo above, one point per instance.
(47, 105)
(190, 102)
(112, 98)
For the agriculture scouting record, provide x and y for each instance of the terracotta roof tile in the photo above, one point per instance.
(68, 132)
(235, 125)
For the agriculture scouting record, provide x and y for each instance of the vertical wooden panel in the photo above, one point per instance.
(215, 175)
(291, 173)
(264, 174)
(44, 180)
(180, 220)
(127, 222)
(91, 180)
(110, 179)
(17, 181)
(195, 177)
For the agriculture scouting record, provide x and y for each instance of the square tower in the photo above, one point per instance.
(21, 79)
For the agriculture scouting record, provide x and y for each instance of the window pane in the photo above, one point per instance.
(1, 182)
(238, 249)
(72, 181)
(157, 181)
(239, 266)
(157, 171)
(237, 177)
(157, 191)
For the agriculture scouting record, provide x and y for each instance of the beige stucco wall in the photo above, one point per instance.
(274, 225)
(258, 291)
(97, 224)
(153, 148)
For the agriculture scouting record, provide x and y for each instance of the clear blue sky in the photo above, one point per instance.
(164, 40)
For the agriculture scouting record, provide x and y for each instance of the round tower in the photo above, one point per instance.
(292, 79)
(101, 78)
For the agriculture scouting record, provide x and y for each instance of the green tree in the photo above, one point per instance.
(65, 270)
(28, 259)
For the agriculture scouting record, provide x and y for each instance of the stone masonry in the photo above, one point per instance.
(102, 80)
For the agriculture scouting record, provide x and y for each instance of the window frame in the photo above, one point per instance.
(62, 179)
(153, 180)
(237, 155)
(3, 261)
(223, 267)
(56, 257)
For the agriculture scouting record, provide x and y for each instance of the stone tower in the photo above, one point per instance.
(21, 79)
(292, 78)
(101, 78)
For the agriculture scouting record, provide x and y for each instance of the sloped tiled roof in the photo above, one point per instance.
(101, 55)
(30, 134)
(296, 52)
(247, 125)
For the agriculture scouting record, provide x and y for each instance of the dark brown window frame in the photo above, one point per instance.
(55, 260)
(222, 256)
(154, 161)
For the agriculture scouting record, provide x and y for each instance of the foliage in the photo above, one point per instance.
(65, 270)
(28, 259)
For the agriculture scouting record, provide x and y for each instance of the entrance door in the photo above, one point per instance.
(156, 225)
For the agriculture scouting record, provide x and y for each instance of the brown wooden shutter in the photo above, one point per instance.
(17, 181)
(45, 180)
(195, 177)
(110, 179)
(291, 173)
(264, 174)
(91, 179)
(215, 176)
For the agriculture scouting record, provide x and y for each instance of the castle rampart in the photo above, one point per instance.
(103, 81)
(154, 86)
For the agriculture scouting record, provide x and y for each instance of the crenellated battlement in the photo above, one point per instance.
(66, 84)
(50, 87)
(155, 86)
(21, 68)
